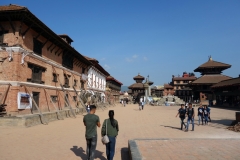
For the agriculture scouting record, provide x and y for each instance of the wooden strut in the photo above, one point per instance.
(67, 103)
(53, 104)
(4, 97)
(64, 93)
(41, 115)
(77, 93)
(74, 90)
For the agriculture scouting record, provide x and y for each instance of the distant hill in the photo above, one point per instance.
(124, 88)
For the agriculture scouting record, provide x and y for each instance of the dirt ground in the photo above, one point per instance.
(64, 139)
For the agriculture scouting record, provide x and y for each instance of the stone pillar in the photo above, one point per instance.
(149, 91)
(146, 92)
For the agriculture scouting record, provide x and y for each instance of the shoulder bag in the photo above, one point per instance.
(105, 138)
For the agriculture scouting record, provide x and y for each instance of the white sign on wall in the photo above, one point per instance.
(24, 101)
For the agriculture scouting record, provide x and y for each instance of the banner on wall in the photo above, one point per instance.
(24, 101)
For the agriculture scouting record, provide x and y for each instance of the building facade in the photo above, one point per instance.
(36, 65)
(227, 92)
(96, 77)
(113, 88)
(181, 86)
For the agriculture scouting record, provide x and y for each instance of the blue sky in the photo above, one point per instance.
(159, 38)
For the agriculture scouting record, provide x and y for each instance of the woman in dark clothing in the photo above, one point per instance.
(112, 131)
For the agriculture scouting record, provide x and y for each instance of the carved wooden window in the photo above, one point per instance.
(36, 73)
(54, 98)
(66, 81)
(75, 82)
(67, 60)
(75, 98)
(37, 47)
(82, 85)
(83, 70)
(55, 77)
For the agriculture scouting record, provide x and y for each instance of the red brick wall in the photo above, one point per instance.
(15, 71)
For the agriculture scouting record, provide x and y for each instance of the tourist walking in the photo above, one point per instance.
(110, 128)
(190, 113)
(143, 102)
(140, 103)
(206, 114)
(91, 121)
(200, 114)
(209, 109)
(182, 114)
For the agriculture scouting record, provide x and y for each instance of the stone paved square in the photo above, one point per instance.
(64, 139)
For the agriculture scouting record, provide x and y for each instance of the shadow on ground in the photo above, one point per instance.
(125, 154)
(82, 154)
(226, 122)
(178, 128)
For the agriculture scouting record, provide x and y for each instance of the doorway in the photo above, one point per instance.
(36, 99)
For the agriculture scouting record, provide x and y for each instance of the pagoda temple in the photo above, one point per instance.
(138, 89)
(211, 74)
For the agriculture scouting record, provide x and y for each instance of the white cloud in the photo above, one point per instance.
(103, 59)
(135, 56)
(128, 60)
(145, 58)
(107, 67)
(131, 59)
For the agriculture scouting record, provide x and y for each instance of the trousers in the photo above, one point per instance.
(110, 147)
(91, 147)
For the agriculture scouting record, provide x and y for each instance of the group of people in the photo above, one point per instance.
(110, 128)
(203, 115)
(124, 101)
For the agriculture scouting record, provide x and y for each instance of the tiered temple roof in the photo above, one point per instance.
(211, 73)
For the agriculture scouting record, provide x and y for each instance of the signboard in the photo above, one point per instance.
(24, 101)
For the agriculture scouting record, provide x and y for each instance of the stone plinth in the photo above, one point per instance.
(238, 116)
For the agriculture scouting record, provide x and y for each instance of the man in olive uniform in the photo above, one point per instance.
(91, 121)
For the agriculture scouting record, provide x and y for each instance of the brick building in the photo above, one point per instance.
(168, 90)
(181, 86)
(34, 63)
(113, 87)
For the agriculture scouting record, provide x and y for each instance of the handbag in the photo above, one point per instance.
(105, 138)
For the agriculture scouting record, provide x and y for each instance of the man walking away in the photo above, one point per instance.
(206, 114)
(140, 103)
(200, 114)
(143, 102)
(182, 113)
(190, 114)
(91, 121)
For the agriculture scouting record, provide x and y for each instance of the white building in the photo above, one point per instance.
(96, 77)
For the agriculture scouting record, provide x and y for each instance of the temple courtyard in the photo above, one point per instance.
(155, 131)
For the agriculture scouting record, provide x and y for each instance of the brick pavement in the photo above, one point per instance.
(64, 139)
(192, 149)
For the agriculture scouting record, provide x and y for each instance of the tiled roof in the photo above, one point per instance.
(167, 86)
(136, 85)
(12, 7)
(138, 77)
(110, 78)
(27, 17)
(229, 82)
(210, 79)
(184, 78)
(212, 64)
